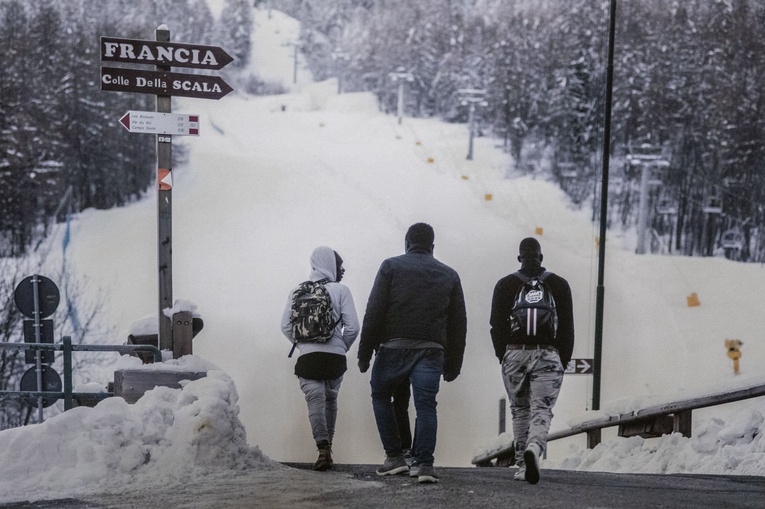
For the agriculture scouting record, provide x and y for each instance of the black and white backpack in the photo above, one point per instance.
(534, 313)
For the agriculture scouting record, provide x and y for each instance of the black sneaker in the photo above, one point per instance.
(393, 466)
(531, 458)
(426, 474)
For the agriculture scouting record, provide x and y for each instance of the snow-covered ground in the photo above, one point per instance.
(271, 178)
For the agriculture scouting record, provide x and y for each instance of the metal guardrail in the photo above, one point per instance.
(680, 410)
(67, 348)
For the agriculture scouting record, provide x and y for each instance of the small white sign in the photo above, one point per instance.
(150, 122)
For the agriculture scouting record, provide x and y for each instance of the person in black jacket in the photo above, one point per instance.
(532, 365)
(415, 320)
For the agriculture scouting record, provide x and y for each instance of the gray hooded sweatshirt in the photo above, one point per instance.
(324, 266)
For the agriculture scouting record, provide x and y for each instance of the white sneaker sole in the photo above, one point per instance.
(394, 471)
(425, 479)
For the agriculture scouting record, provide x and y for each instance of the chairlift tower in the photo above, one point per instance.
(340, 57)
(472, 97)
(401, 76)
(649, 159)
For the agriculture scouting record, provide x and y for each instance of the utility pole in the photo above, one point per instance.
(401, 76)
(472, 97)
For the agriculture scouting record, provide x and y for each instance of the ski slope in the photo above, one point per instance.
(271, 178)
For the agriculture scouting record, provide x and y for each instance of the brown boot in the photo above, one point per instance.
(325, 458)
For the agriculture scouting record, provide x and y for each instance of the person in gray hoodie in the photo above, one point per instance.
(320, 366)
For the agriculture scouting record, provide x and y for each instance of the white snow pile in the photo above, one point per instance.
(732, 446)
(169, 436)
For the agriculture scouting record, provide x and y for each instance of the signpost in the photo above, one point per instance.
(37, 297)
(136, 51)
(200, 86)
(165, 84)
(150, 122)
(579, 367)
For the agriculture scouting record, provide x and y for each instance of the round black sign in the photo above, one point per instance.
(51, 382)
(47, 292)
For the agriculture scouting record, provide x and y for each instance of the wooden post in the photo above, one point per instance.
(502, 415)
(182, 334)
(165, 213)
(683, 423)
(593, 438)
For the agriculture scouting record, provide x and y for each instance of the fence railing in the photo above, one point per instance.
(68, 348)
(650, 421)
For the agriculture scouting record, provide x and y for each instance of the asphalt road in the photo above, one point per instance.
(458, 488)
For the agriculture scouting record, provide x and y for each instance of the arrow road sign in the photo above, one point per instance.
(151, 122)
(201, 86)
(579, 367)
(135, 51)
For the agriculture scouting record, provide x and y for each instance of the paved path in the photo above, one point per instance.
(357, 486)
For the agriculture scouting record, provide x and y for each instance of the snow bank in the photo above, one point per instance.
(169, 436)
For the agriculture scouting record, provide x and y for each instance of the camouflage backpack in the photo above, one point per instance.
(312, 319)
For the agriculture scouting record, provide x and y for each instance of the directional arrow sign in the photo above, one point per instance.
(135, 51)
(150, 122)
(201, 86)
(579, 367)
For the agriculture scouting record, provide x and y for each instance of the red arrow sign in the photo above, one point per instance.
(136, 51)
(201, 86)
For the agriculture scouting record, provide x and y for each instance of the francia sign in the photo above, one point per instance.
(173, 54)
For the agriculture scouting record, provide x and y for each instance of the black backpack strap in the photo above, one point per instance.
(520, 276)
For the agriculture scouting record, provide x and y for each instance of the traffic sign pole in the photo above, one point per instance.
(38, 354)
(164, 213)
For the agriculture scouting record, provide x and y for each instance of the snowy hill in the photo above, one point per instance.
(271, 178)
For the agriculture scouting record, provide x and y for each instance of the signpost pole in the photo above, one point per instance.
(164, 212)
(38, 353)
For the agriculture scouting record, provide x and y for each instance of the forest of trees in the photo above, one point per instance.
(688, 83)
(61, 147)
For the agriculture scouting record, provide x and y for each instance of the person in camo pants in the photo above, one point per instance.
(532, 366)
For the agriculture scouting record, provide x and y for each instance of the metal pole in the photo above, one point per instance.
(38, 340)
(643, 211)
(502, 415)
(165, 214)
(600, 292)
(400, 106)
(67, 372)
(471, 114)
(295, 66)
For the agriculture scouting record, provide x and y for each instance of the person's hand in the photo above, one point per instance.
(450, 376)
(363, 366)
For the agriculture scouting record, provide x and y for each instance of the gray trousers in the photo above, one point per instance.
(321, 396)
(532, 379)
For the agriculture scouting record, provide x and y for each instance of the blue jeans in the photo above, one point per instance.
(423, 368)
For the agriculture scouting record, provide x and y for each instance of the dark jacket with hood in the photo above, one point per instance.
(416, 297)
(502, 304)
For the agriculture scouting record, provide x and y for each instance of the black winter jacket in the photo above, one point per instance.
(416, 297)
(502, 303)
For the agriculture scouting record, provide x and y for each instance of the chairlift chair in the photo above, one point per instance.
(666, 208)
(713, 206)
(732, 239)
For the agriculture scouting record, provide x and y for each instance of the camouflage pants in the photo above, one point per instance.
(532, 379)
